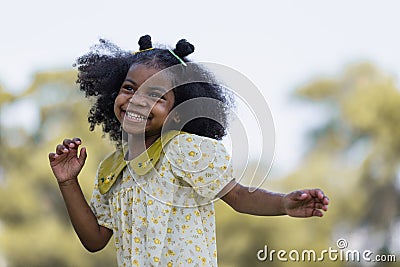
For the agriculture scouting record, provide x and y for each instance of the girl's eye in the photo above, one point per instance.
(155, 95)
(128, 88)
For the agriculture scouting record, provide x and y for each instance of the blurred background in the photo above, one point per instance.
(328, 69)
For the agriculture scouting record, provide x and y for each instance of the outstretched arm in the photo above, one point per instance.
(300, 203)
(66, 165)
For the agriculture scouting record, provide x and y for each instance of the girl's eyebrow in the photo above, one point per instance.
(131, 81)
(158, 88)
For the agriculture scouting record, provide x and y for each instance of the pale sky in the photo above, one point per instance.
(279, 45)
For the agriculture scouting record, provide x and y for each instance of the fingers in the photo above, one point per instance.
(60, 149)
(66, 146)
(82, 156)
(52, 156)
(315, 193)
(322, 197)
(319, 195)
(317, 213)
(298, 195)
(314, 201)
(72, 144)
(321, 202)
(321, 206)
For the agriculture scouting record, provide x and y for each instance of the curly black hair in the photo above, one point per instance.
(103, 69)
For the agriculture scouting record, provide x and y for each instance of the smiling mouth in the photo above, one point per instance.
(135, 116)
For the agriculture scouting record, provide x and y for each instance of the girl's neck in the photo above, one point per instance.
(136, 146)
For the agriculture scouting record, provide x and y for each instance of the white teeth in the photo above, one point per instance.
(135, 116)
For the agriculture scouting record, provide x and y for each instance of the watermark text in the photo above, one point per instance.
(339, 253)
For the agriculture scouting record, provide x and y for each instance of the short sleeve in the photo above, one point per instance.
(100, 206)
(202, 162)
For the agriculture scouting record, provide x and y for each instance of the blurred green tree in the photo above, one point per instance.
(35, 228)
(354, 156)
(360, 139)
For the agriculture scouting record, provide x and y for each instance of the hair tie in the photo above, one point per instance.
(177, 57)
(142, 50)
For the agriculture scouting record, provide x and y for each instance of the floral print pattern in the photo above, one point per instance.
(166, 217)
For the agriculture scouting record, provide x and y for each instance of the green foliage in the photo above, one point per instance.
(323, 89)
(353, 156)
(360, 142)
(35, 228)
(5, 97)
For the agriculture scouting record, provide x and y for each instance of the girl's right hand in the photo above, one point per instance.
(65, 162)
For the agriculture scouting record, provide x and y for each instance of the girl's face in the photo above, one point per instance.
(145, 109)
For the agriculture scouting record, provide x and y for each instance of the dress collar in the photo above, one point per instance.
(111, 167)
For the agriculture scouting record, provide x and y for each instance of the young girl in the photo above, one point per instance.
(156, 192)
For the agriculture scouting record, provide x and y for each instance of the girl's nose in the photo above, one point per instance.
(138, 100)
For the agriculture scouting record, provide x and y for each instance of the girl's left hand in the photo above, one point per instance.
(305, 203)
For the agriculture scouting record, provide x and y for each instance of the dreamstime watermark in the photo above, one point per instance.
(339, 253)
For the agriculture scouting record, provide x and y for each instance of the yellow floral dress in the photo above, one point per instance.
(165, 217)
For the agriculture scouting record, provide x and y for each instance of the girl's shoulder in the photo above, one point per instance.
(186, 140)
(202, 162)
(194, 149)
(190, 137)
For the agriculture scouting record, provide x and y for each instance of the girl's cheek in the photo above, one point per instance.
(117, 111)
